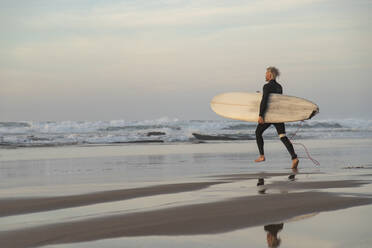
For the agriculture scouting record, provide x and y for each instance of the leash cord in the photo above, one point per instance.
(316, 162)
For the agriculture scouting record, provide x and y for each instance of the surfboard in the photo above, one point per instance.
(245, 106)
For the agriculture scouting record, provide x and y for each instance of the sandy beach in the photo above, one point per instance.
(199, 195)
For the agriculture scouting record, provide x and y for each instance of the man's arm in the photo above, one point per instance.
(264, 100)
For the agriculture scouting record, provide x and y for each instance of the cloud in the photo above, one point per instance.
(164, 15)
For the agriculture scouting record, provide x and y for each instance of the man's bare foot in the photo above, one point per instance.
(295, 163)
(260, 159)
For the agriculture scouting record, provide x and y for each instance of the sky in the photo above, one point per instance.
(143, 59)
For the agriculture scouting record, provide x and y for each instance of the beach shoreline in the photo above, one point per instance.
(206, 189)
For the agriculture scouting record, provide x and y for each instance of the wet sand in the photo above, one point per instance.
(206, 218)
(207, 201)
(39, 204)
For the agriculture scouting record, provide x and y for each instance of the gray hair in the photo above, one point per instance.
(274, 71)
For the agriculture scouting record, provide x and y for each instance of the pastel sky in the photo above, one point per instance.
(142, 59)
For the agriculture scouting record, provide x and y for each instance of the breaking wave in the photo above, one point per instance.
(163, 130)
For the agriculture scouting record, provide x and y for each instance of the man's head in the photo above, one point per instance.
(272, 73)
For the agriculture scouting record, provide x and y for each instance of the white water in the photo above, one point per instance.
(52, 133)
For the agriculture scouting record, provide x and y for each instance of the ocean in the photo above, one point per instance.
(166, 130)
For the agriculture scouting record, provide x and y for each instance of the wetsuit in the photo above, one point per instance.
(272, 87)
(272, 234)
(274, 228)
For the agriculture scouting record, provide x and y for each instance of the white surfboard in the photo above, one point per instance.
(246, 106)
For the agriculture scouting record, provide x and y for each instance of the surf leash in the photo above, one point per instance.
(316, 162)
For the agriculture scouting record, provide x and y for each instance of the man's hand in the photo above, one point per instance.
(261, 120)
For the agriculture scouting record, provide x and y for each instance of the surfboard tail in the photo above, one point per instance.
(314, 113)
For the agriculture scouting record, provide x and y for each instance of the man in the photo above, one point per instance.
(272, 234)
(272, 87)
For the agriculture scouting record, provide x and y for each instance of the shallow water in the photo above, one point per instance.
(71, 170)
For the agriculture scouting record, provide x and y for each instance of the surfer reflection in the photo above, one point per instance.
(272, 235)
(261, 182)
(260, 185)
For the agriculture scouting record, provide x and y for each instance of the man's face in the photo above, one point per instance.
(268, 76)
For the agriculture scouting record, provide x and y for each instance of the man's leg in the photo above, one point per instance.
(260, 142)
(280, 128)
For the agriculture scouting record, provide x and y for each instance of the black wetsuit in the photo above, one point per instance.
(272, 87)
(274, 228)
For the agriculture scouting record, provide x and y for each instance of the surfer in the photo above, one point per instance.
(272, 234)
(272, 87)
